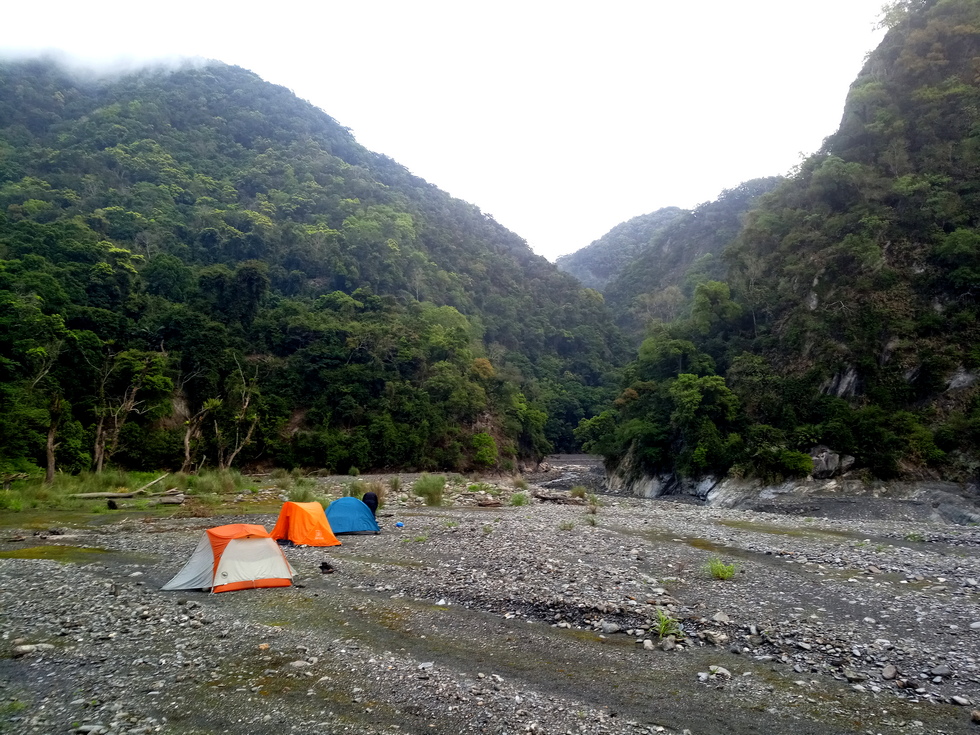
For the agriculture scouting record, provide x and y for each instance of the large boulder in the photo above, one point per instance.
(827, 463)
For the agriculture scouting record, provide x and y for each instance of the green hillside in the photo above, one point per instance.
(604, 259)
(848, 315)
(199, 268)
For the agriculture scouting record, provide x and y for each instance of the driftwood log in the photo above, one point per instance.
(130, 494)
(560, 498)
(171, 497)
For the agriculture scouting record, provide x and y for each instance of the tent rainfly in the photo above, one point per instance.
(351, 515)
(305, 524)
(234, 557)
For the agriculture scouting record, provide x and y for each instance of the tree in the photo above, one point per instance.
(129, 382)
(242, 418)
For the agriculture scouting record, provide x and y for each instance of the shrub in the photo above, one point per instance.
(520, 483)
(378, 489)
(579, 491)
(665, 625)
(430, 487)
(593, 503)
(394, 484)
(353, 471)
(719, 570)
(484, 450)
(356, 489)
(518, 499)
(304, 492)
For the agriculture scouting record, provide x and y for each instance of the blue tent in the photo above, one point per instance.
(350, 515)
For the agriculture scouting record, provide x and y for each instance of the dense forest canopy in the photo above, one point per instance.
(843, 311)
(198, 268)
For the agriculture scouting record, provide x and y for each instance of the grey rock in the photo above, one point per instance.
(942, 671)
(715, 637)
(889, 672)
(827, 463)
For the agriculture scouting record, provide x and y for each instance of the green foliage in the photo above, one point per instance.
(566, 525)
(665, 625)
(594, 504)
(304, 492)
(314, 303)
(519, 499)
(430, 487)
(719, 569)
(579, 491)
(484, 450)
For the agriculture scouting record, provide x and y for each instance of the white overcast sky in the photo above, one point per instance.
(561, 119)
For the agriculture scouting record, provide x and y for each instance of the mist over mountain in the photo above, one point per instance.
(197, 268)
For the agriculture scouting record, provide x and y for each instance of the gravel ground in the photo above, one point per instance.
(502, 620)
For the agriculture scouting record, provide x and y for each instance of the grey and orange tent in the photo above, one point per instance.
(305, 524)
(234, 557)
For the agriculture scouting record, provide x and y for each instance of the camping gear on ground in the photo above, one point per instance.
(351, 515)
(305, 525)
(371, 501)
(399, 524)
(234, 557)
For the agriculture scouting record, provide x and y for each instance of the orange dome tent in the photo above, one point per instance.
(234, 557)
(304, 524)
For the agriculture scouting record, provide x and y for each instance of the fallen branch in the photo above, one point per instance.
(166, 474)
(561, 499)
(128, 494)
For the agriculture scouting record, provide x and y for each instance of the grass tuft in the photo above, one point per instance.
(719, 569)
(430, 487)
(665, 625)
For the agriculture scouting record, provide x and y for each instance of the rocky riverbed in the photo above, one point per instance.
(513, 619)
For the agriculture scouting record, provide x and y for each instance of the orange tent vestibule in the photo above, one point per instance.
(305, 524)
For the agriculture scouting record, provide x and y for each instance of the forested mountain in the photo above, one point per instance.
(600, 262)
(198, 267)
(647, 267)
(849, 315)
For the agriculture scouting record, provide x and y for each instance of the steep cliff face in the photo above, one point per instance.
(849, 312)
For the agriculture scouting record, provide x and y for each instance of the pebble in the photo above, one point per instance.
(797, 616)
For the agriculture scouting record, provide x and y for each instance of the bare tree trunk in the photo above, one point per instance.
(51, 446)
(243, 443)
(193, 429)
(98, 450)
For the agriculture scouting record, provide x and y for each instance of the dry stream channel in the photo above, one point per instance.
(500, 620)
